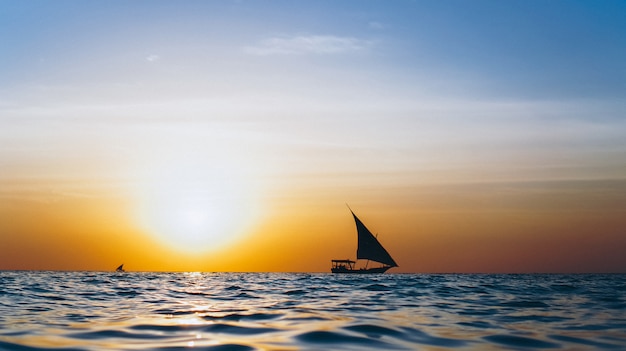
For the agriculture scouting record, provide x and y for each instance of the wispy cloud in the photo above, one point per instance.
(153, 58)
(307, 44)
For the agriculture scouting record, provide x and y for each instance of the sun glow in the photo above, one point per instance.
(196, 209)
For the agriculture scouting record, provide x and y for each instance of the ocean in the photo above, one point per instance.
(299, 311)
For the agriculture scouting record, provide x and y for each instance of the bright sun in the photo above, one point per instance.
(196, 210)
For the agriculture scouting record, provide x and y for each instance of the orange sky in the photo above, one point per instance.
(442, 228)
(228, 136)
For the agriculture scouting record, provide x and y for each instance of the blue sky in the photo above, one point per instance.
(455, 90)
(517, 48)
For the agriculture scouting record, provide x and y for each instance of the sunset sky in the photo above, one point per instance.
(471, 136)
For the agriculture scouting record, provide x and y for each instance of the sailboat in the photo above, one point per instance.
(120, 268)
(369, 248)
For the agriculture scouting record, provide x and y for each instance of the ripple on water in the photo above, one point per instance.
(420, 337)
(520, 341)
(581, 341)
(295, 292)
(237, 329)
(526, 304)
(326, 340)
(223, 328)
(173, 312)
(374, 331)
(223, 347)
(118, 334)
(168, 328)
(377, 287)
(8, 346)
(245, 317)
(478, 324)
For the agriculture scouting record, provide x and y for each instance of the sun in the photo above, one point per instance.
(196, 210)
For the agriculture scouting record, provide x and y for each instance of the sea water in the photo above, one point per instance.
(277, 311)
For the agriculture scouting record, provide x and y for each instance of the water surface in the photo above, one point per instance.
(276, 311)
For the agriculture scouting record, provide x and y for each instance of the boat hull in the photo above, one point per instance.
(344, 270)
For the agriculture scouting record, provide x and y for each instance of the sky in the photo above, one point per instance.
(470, 136)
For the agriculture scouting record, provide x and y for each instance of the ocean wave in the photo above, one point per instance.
(267, 311)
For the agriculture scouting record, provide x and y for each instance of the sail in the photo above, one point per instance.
(369, 248)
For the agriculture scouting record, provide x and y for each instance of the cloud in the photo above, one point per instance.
(153, 58)
(307, 44)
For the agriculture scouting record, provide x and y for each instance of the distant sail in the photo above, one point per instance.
(369, 248)
(120, 268)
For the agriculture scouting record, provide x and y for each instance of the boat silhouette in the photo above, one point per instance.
(368, 248)
(120, 268)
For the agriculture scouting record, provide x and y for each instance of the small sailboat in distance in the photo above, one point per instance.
(120, 268)
(368, 248)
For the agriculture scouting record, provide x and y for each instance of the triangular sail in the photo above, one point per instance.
(369, 247)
